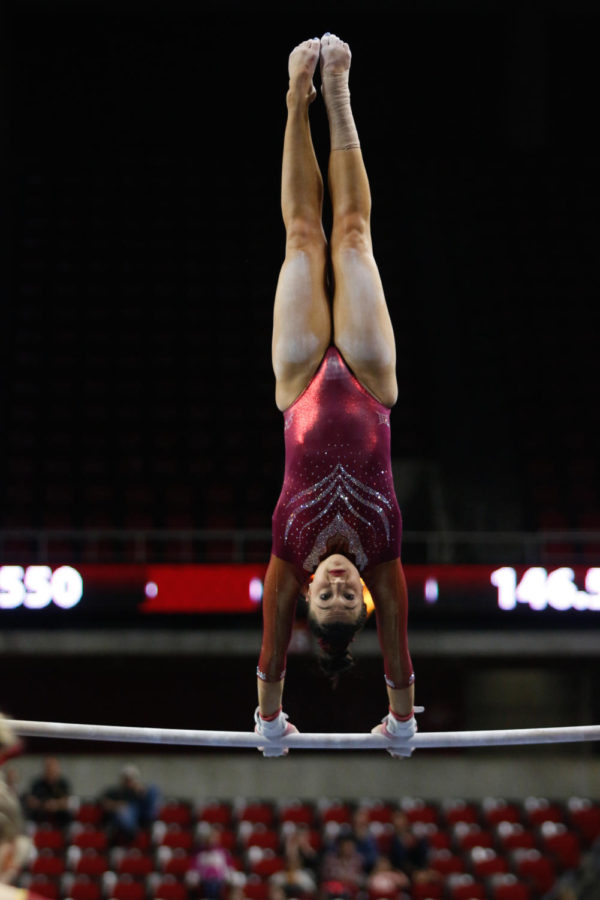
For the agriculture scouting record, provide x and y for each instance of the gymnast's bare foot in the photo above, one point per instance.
(335, 70)
(301, 67)
(335, 56)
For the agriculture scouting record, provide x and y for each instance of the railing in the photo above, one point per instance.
(29, 546)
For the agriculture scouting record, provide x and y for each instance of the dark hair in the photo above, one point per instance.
(333, 639)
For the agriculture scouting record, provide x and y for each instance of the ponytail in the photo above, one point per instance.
(333, 640)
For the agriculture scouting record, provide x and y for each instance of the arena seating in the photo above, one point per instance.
(474, 853)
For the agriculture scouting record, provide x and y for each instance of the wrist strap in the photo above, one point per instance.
(400, 718)
(272, 717)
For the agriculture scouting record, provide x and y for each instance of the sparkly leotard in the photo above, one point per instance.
(338, 483)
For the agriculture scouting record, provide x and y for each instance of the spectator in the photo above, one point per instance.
(365, 841)
(129, 806)
(49, 797)
(344, 866)
(407, 852)
(294, 878)
(299, 841)
(387, 882)
(214, 867)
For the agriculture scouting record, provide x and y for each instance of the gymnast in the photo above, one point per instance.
(337, 519)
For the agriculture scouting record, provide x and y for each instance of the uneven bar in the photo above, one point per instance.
(306, 741)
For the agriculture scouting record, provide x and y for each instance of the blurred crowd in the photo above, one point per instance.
(346, 865)
(128, 805)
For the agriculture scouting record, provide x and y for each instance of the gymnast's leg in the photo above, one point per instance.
(302, 314)
(301, 335)
(362, 327)
(363, 332)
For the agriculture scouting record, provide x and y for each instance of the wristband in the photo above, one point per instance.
(272, 717)
(401, 718)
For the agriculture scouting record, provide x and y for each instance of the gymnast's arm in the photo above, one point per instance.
(387, 584)
(282, 587)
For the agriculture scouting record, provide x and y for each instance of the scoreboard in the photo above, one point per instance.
(115, 592)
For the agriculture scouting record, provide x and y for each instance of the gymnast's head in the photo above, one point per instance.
(336, 611)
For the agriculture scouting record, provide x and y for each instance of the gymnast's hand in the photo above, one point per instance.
(398, 733)
(273, 728)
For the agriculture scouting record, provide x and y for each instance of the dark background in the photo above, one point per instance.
(146, 238)
(144, 242)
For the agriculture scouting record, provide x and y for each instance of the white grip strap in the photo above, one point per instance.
(272, 731)
(400, 733)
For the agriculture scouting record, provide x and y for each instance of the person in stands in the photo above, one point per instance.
(130, 805)
(49, 796)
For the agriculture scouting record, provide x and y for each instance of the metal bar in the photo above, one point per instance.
(307, 741)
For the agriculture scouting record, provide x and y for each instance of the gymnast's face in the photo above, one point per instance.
(335, 593)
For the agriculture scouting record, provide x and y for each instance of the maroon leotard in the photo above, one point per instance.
(338, 478)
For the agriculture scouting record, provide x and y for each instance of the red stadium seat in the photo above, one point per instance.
(257, 813)
(436, 838)
(90, 837)
(495, 810)
(418, 810)
(445, 862)
(175, 812)
(585, 817)
(259, 836)
(90, 862)
(44, 887)
(508, 887)
(267, 865)
(539, 810)
(513, 836)
(169, 888)
(47, 837)
(176, 836)
(464, 887)
(380, 812)
(427, 890)
(561, 844)
(255, 888)
(337, 812)
(128, 888)
(82, 887)
(215, 813)
(484, 861)
(532, 866)
(298, 812)
(48, 864)
(141, 841)
(90, 813)
(227, 839)
(466, 835)
(135, 863)
(176, 862)
(459, 811)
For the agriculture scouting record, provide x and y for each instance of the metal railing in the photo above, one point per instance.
(30, 546)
